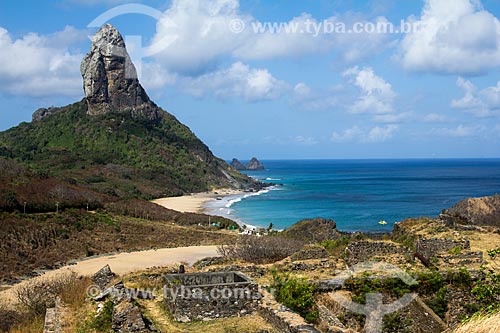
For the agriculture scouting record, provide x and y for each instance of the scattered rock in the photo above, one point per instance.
(103, 277)
(310, 252)
(127, 318)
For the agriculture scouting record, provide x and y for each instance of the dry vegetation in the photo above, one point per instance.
(259, 250)
(35, 241)
(481, 324)
(27, 314)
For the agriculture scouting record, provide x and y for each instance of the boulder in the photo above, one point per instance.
(127, 318)
(103, 277)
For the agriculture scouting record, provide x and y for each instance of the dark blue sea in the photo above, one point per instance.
(357, 194)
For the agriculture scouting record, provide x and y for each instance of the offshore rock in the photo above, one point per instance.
(254, 164)
(236, 164)
(110, 79)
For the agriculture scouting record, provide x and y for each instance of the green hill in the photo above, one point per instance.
(114, 144)
(119, 155)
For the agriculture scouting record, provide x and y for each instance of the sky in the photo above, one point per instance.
(309, 79)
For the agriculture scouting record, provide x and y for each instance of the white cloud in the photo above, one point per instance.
(309, 99)
(202, 37)
(239, 80)
(461, 131)
(393, 117)
(374, 135)
(348, 135)
(483, 103)
(200, 32)
(454, 36)
(155, 76)
(376, 95)
(304, 35)
(434, 118)
(41, 66)
(98, 2)
(305, 140)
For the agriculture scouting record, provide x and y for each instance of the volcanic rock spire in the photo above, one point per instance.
(110, 80)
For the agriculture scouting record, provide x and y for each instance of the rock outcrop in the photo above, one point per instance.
(484, 211)
(42, 113)
(254, 164)
(110, 79)
(313, 230)
(103, 277)
(236, 164)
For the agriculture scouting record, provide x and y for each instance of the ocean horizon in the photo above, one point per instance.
(359, 193)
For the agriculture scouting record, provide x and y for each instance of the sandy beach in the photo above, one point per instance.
(193, 203)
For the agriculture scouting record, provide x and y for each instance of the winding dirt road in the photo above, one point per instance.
(123, 263)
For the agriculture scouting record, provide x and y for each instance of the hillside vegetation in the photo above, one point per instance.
(117, 154)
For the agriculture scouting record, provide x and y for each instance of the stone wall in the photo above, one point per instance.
(201, 296)
(361, 251)
(54, 318)
(429, 247)
(281, 317)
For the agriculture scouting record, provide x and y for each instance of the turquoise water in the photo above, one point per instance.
(357, 194)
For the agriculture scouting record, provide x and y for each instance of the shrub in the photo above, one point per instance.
(439, 303)
(10, 317)
(38, 295)
(455, 250)
(335, 247)
(487, 290)
(258, 250)
(102, 322)
(295, 293)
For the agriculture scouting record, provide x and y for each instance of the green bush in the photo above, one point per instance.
(331, 245)
(439, 303)
(487, 290)
(295, 293)
(103, 321)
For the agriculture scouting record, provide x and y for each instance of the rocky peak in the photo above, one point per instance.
(43, 113)
(110, 79)
(254, 164)
(236, 164)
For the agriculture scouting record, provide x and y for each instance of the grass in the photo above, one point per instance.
(480, 324)
(156, 313)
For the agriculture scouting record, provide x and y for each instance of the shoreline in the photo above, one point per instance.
(214, 203)
(195, 202)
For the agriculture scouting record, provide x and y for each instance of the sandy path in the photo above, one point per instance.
(123, 263)
(193, 203)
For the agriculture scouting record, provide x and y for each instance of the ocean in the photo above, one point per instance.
(357, 194)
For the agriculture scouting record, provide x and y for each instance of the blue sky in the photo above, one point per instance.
(433, 92)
